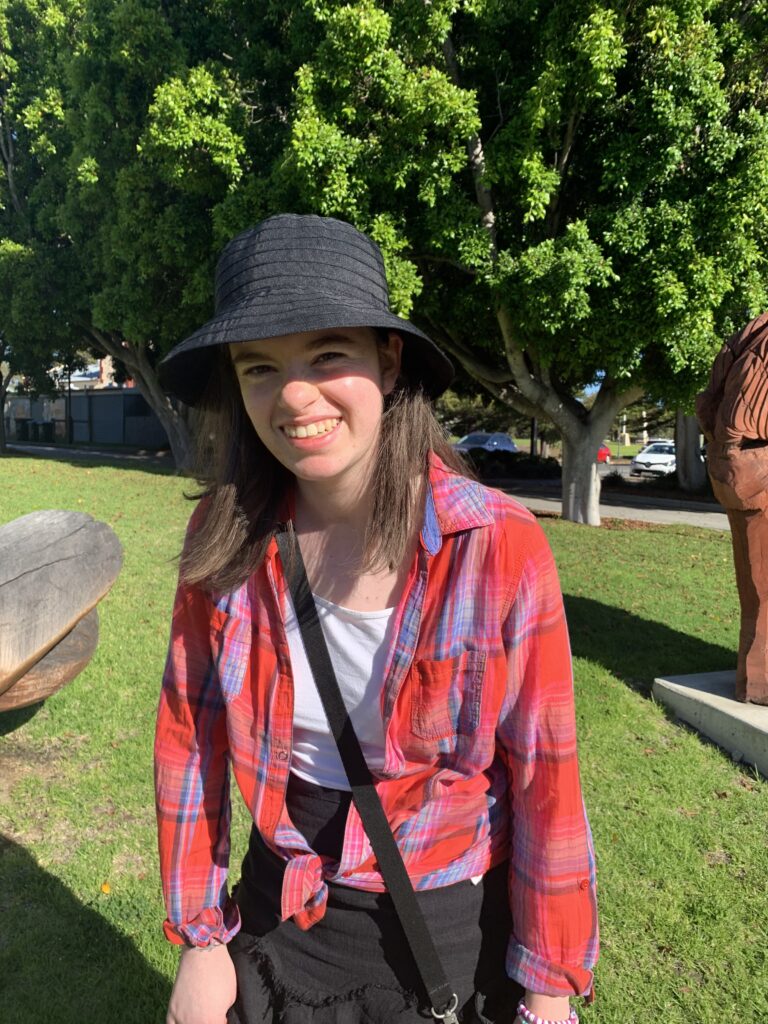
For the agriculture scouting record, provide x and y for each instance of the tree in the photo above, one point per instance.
(33, 335)
(567, 195)
(130, 247)
(176, 116)
(691, 472)
(38, 279)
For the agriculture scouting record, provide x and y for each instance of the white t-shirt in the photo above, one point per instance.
(358, 644)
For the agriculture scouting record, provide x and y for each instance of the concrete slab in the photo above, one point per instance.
(705, 516)
(705, 701)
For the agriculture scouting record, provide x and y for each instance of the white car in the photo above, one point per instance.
(657, 458)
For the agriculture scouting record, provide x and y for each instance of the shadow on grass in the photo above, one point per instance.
(157, 465)
(62, 962)
(637, 650)
(11, 720)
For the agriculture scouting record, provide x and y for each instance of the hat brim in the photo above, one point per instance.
(185, 371)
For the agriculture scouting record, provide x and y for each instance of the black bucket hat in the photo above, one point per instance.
(294, 273)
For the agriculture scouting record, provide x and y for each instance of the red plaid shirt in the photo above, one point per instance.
(481, 761)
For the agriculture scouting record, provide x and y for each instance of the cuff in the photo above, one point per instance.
(212, 924)
(536, 974)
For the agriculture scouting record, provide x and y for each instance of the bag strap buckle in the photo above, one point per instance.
(448, 1016)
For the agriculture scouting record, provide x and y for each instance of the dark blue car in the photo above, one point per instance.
(490, 442)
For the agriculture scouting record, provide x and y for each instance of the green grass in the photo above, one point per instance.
(623, 451)
(679, 829)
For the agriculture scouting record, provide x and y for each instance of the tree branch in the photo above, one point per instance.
(476, 159)
(428, 257)
(8, 155)
(113, 345)
(561, 162)
(609, 401)
(570, 134)
(480, 370)
(542, 397)
(520, 404)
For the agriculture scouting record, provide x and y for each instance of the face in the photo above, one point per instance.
(315, 399)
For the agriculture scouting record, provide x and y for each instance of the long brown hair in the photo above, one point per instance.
(245, 486)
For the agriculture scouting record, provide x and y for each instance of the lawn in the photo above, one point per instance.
(680, 831)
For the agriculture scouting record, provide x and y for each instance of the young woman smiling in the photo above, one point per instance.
(439, 605)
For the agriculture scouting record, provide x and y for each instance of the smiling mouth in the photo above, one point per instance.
(311, 429)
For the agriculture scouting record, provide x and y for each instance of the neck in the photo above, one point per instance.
(321, 507)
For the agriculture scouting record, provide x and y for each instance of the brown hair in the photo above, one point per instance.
(244, 486)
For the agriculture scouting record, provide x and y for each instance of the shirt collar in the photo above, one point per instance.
(453, 503)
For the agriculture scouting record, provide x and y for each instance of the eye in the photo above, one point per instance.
(329, 357)
(257, 370)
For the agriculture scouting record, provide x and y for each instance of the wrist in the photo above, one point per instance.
(536, 1008)
(212, 946)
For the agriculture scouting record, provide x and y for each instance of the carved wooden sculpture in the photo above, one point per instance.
(733, 413)
(54, 569)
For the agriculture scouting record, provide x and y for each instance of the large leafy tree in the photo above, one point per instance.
(37, 276)
(566, 195)
(569, 194)
(176, 116)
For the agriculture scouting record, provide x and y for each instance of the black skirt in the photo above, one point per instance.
(354, 966)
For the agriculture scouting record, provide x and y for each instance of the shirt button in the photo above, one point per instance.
(584, 884)
(282, 755)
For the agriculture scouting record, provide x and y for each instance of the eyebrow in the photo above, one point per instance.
(251, 356)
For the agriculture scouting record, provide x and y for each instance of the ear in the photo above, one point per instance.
(390, 357)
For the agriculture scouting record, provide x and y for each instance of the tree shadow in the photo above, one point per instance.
(157, 465)
(62, 962)
(638, 650)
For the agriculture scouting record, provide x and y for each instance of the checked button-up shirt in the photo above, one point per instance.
(480, 761)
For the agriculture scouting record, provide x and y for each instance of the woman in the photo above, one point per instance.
(441, 609)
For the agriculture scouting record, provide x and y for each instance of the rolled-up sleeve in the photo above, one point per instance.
(192, 782)
(552, 866)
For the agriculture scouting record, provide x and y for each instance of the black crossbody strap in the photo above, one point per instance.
(364, 794)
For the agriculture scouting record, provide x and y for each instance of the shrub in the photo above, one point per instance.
(501, 465)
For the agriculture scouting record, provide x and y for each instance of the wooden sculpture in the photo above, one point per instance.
(54, 569)
(733, 413)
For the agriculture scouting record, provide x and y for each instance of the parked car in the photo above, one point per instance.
(490, 442)
(658, 459)
(604, 454)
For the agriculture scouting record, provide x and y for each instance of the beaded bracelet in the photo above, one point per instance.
(531, 1018)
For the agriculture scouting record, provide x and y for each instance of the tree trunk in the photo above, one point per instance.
(581, 482)
(3, 441)
(5, 383)
(173, 419)
(691, 472)
(175, 426)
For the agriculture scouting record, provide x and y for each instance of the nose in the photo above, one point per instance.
(297, 393)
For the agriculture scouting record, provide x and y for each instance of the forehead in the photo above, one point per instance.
(306, 341)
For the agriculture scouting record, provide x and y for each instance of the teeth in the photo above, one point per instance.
(311, 429)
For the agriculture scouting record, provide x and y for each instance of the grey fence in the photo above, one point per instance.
(112, 416)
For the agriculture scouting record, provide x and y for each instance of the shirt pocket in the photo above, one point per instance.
(446, 696)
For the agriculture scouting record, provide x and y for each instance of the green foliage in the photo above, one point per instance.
(188, 123)
(596, 173)
(623, 163)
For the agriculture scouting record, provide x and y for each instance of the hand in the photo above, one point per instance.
(205, 987)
